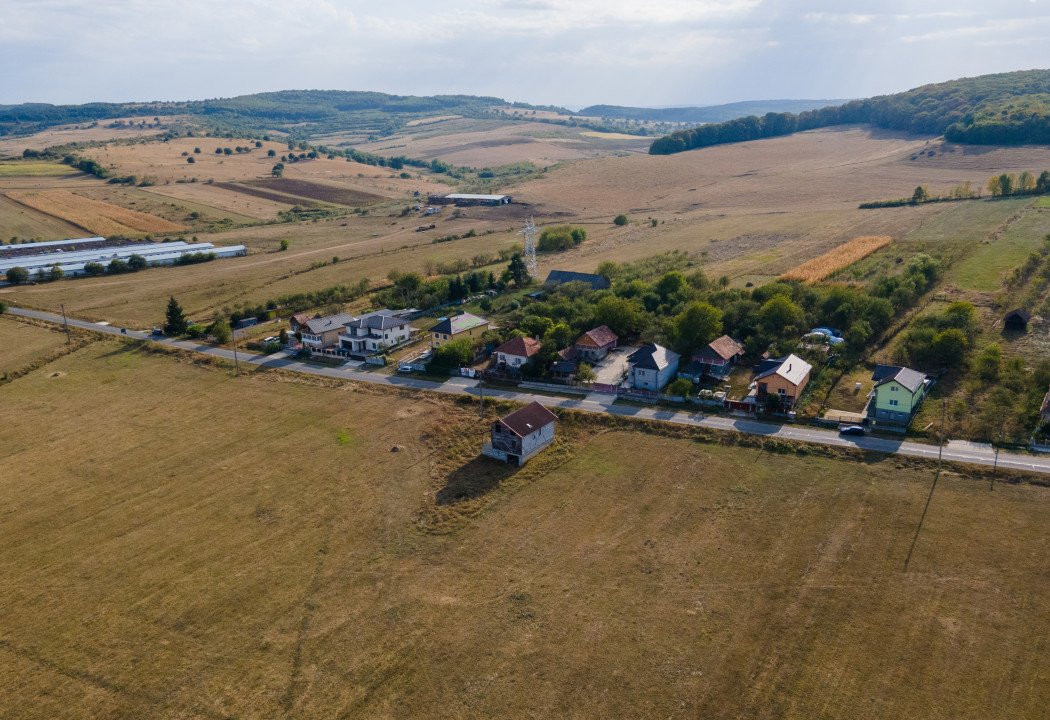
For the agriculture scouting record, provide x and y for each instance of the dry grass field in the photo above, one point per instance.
(23, 344)
(228, 201)
(61, 135)
(211, 546)
(17, 220)
(837, 258)
(94, 216)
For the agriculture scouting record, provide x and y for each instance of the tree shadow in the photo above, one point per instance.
(474, 479)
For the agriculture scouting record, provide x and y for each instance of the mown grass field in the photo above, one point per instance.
(987, 267)
(211, 546)
(34, 169)
(23, 343)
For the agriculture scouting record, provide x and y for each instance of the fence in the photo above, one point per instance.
(551, 387)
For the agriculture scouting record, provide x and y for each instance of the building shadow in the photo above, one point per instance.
(474, 479)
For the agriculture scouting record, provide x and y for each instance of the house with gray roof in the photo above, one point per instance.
(456, 327)
(375, 332)
(322, 333)
(651, 367)
(896, 396)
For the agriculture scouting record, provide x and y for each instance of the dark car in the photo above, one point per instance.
(851, 430)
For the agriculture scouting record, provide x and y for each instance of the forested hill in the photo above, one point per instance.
(1002, 109)
(705, 114)
(320, 110)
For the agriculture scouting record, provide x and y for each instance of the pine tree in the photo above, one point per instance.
(176, 322)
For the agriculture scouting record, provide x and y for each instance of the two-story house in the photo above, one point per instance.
(323, 333)
(651, 367)
(456, 327)
(515, 354)
(716, 360)
(896, 396)
(519, 436)
(784, 377)
(595, 344)
(374, 332)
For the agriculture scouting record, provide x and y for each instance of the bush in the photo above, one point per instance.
(94, 268)
(271, 347)
(196, 330)
(453, 354)
(680, 386)
(561, 237)
(116, 266)
(3, 307)
(136, 262)
(620, 220)
(17, 275)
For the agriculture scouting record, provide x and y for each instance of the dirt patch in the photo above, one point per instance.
(317, 191)
(719, 250)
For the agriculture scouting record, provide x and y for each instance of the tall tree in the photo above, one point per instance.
(698, 324)
(175, 322)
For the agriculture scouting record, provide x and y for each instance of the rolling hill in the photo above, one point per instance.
(1001, 109)
(705, 113)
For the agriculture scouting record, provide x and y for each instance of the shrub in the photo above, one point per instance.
(680, 386)
(94, 268)
(17, 275)
(453, 354)
(136, 262)
(620, 220)
(561, 237)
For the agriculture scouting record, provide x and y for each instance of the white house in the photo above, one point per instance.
(651, 367)
(516, 353)
(374, 332)
(520, 435)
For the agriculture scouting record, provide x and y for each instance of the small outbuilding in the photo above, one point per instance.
(1017, 320)
(518, 437)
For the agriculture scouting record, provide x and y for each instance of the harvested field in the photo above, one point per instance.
(838, 258)
(23, 344)
(224, 199)
(317, 191)
(94, 216)
(17, 220)
(620, 574)
(178, 211)
(262, 194)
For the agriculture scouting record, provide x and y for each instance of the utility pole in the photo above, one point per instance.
(236, 362)
(65, 324)
(481, 406)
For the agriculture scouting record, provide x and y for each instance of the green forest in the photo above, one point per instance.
(1002, 109)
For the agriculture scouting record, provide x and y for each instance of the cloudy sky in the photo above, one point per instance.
(567, 52)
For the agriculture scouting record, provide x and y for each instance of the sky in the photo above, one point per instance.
(571, 53)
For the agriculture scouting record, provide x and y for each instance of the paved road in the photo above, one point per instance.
(591, 403)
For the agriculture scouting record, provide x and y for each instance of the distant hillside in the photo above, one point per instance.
(707, 113)
(1002, 109)
(304, 110)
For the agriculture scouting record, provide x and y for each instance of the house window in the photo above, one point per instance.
(893, 388)
(893, 402)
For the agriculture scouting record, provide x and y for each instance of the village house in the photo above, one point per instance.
(516, 353)
(456, 327)
(374, 332)
(651, 367)
(298, 320)
(519, 436)
(897, 394)
(716, 360)
(558, 277)
(784, 377)
(323, 332)
(595, 344)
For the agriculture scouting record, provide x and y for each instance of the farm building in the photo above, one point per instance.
(519, 436)
(1017, 320)
(558, 277)
(469, 199)
(73, 262)
(456, 327)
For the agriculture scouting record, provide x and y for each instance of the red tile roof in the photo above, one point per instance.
(520, 346)
(528, 419)
(598, 337)
(726, 347)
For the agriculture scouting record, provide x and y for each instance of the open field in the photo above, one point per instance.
(317, 191)
(35, 168)
(837, 258)
(93, 215)
(987, 267)
(488, 143)
(229, 201)
(17, 220)
(165, 207)
(24, 343)
(190, 573)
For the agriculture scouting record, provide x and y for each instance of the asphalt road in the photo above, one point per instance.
(594, 402)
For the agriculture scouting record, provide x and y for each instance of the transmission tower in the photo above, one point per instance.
(529, 231)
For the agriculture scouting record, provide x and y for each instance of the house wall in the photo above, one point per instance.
(894, 397)
(592, 353)
(534, 442)
(439, 339)
(326, 339)
(775, 383)
(511, 360)
(644, 379)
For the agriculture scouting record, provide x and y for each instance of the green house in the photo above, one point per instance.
(897, 394)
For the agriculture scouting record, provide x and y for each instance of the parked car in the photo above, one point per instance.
(852, 430)
(156, 332)
(272, 338)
